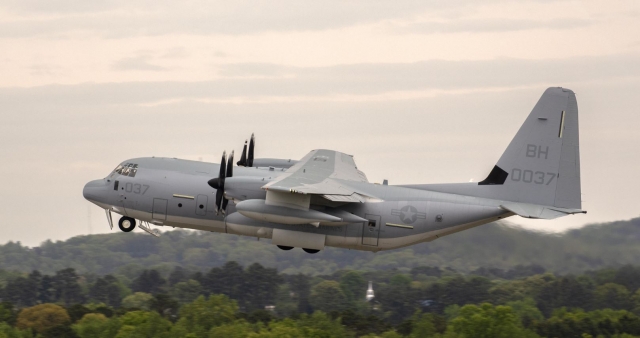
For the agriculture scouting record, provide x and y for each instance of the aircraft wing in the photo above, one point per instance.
(320, 173)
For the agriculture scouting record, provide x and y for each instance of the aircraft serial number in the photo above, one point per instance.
(530, 176)
(136, 188)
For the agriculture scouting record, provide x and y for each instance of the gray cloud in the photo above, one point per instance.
(257, 69)
(59, 6)
(43, 69)
(174, 53)
(493, 25)
(204, 17)
(220, 54)
(117, 19)
(136, 63)
(267, 80)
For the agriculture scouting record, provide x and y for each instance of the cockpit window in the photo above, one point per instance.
(127, 169)
(133, 171)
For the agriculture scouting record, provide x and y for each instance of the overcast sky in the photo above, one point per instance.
(417, 91)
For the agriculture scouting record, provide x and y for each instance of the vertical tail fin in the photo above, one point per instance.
(542, 163)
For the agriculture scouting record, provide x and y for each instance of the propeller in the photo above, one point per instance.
(226, 170)
(246, 158)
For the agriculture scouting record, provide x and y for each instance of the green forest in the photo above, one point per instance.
(255, 301)
(492, 281)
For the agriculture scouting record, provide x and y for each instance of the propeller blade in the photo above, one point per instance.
(223, 168)
(219, 182)
(243, 156)
(230, 165)
(219, 198)
(252, 145)
(224, 205)
(229, 174)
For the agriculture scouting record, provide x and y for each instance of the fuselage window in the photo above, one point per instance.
(115, 185)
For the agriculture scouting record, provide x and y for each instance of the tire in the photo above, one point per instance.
(311, 251)
(286, 248)
(127, 224)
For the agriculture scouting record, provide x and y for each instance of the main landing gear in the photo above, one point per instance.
(127, 224)
(287, 248)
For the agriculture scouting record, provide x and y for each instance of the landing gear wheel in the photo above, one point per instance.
(311, 251)
(127, 224)
(282, 247)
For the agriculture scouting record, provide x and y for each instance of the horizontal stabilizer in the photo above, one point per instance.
(538, 211)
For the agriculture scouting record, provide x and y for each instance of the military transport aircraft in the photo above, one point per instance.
(325, 200)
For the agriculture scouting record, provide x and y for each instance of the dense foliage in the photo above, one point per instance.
(488, 246)
(255, 301)
(492, 281)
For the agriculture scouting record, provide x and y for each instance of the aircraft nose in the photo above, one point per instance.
(94, 191)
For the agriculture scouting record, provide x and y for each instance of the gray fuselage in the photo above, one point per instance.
(174, 192)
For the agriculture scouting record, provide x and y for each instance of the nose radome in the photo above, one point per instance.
(94, 190)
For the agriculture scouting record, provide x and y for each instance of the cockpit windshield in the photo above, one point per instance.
(127, 169)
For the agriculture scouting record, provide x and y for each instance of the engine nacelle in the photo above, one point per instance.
(245, 188)
(259, 210)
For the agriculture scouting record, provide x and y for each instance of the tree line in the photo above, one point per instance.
(256, 301)
(489, 246)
